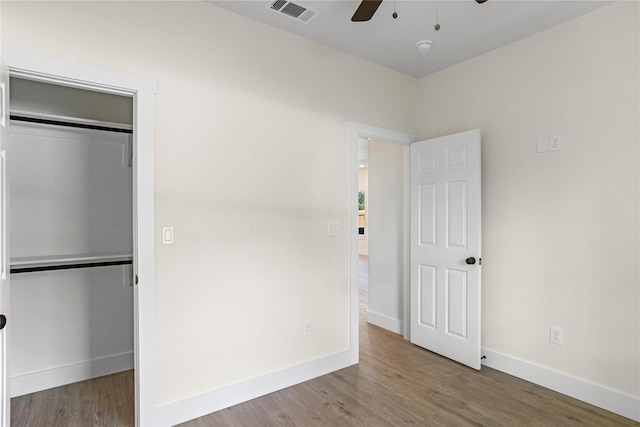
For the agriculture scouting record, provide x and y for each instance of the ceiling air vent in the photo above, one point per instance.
(293, 10)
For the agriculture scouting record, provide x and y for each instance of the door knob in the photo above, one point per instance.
(471, 260)
(3, 321)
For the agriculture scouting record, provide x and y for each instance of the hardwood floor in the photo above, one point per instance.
(105, 402)
(395, 383)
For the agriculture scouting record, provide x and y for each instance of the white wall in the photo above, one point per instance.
(386, 237)
(560, 229)
(251, 153)
(69, 326)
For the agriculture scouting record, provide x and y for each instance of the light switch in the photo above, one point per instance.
(167, 235)
(542, 145)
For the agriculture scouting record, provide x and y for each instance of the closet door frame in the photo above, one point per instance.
(142, 90)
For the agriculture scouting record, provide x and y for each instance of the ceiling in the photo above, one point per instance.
(468, 29)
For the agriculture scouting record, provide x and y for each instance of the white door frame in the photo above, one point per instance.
(143, 90)
(356, 132)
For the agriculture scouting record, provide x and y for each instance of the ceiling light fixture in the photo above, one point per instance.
(424, 46)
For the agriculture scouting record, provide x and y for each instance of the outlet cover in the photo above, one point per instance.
(555, 143)
(306, 328)
(333, 228)
(555, 335)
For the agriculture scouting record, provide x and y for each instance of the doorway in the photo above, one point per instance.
(71, 242)
(142, 91)
(381, 217)
(363, 223)
(401, 141)
(444, 163)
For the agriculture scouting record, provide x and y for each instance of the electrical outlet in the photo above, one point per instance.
(555, 335)
(306, 328)
(333, 228)
(555, 143)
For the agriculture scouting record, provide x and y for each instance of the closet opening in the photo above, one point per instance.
(71, 235)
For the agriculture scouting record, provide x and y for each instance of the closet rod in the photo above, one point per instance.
(67, 123)
(15, 270)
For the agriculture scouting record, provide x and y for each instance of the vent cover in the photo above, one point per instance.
(296, 11)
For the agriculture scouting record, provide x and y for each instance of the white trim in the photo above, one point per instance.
(67, 374)
(356, 132)
(215, 400)
(594, 394)
(385, 322)
(407, 244)
(359, 130)
(51, 70)
(142, 90)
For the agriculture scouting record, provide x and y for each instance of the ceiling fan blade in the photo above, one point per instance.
(366, 10)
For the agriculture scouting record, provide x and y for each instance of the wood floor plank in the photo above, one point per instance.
(101, 402)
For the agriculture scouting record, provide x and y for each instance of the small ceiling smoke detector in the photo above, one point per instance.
(424, 46)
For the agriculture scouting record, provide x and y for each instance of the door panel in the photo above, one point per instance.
(456, 215)
(427, 216)
(456, 305)
(445, 224)
(427, 292)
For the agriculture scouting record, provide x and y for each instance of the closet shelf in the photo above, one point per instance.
(56, 120)
(50, 263)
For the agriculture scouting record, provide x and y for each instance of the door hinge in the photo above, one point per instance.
(136, 281)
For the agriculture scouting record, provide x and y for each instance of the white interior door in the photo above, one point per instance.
(5, 392)
(445, 246)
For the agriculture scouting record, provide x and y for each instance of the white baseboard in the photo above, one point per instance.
(597, 395)
(385, 322)
(215, 400)
(62, 375)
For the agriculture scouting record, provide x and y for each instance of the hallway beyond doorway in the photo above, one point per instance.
(363, 281)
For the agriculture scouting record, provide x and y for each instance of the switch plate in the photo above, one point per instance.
(333, 228)
(555, 143)
(167, 235)
(555, 335)
(542, 145)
